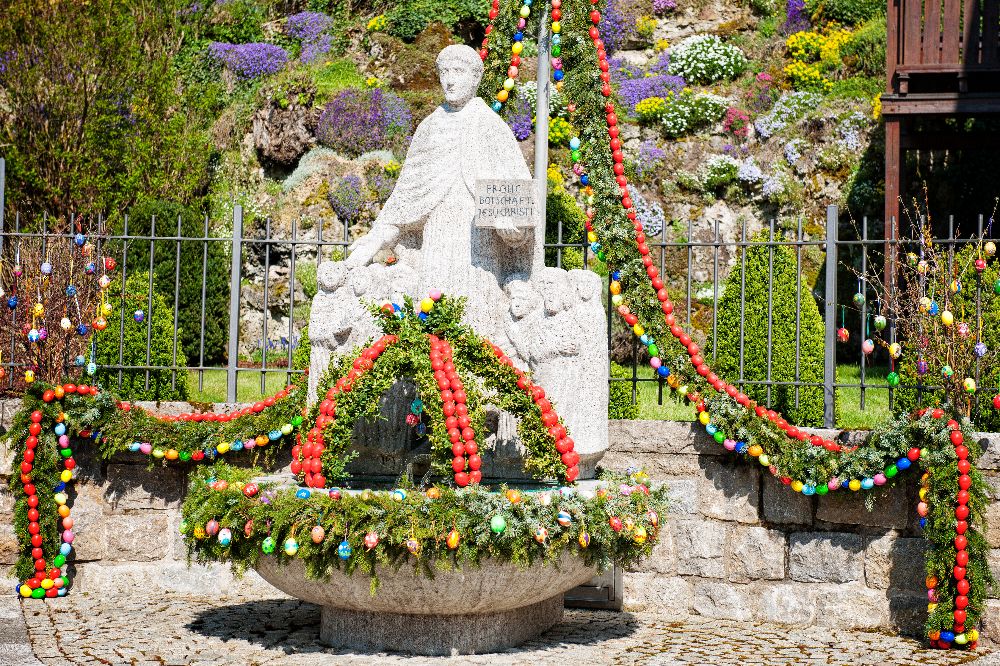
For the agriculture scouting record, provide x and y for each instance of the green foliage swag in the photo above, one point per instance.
(276, 513)
(136, 349)
(751, 305)
(487, 382)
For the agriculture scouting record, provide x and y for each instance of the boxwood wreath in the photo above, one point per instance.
(227, 517)
(952, 492)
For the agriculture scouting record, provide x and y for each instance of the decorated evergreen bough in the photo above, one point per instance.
(953, 501)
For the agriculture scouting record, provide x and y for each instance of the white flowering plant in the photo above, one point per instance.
(683, 113)
(789, 108)
(706, 59)
(719, 171)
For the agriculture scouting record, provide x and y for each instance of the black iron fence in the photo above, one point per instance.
(269, 276)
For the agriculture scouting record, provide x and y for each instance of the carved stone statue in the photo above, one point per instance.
(548, 320)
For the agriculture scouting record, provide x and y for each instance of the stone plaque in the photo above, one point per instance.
(506, 203)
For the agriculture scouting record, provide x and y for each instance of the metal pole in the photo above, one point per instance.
(541, 133)
(830, 358)
(3, 186)
(234, 303)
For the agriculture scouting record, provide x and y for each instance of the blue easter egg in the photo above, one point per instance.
(555, 39)
(947, 636)
(644, 339)
(71, 290)
(60, 487)
(564, 518)
(274, 435)
(845, 483)
(65, 549)
(903, 463)
(82, 329)
(934, 308)
(60, 428)
(496, 106)
(344, 550)
(741, 447)
(808, 489)
(585, 180)
(867, 484)
(558, 75)
(79, 239)
(210, 453)
(12, 302)
(134, 446)
(663, 371)
(423, 316)
(139, 316)
(574, 143)
(237, 445)
(80, 361)
(617, 275)
(923, 523)
(91, 368)
(302, 493)
(518, 36)
(711, 429)
(61, 592)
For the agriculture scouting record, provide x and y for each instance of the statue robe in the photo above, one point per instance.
(433, 203)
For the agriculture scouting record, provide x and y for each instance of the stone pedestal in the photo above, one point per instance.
(441, 635)
(487, 608)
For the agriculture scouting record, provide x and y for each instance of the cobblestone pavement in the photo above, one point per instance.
(182, 629)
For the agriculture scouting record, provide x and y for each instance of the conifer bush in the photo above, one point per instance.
(809, 410)
(123, 324)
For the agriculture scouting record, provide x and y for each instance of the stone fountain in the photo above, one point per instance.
(462, 221)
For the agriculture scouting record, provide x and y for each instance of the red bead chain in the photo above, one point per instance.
(308, 458)
(557, 431)
(662, 294)
(464, 449)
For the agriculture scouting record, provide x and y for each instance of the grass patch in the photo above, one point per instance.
(332, 77)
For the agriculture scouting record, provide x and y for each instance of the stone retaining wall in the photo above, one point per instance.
(736, 545)
(739, 545)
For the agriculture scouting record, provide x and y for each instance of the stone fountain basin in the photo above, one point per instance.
(470, 610)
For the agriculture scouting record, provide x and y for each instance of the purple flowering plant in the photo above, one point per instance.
(663, 6)
(347, 198)
(635, 85)
(357, 121)
(651, 158)
(796, 19)
(311, 29)
(249, 61)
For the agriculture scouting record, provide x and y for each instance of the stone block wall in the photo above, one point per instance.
(739, 545)
(736, 544)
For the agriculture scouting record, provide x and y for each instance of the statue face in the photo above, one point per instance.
(459, 82)
(523, 300)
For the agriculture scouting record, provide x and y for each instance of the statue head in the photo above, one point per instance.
(460, 69)
(523, 299)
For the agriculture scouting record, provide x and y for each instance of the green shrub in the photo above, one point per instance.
(677, 115)
(300, 357)
(160, 323)
(864, 53)
(809, 411)
(985, 417)
(408, 18)
(561, 207)
(620, 405)
(848, 12)
(718, 171)
(190, 284)
(237, 21)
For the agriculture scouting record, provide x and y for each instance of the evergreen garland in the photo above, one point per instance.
(618, 523)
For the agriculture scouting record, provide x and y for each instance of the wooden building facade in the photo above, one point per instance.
(942, 61)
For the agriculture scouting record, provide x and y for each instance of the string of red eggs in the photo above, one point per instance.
(563, 443)
(456, 413)
(307, 458)
(662, 295)
(237, 444)
(958, 635)
(49, 582)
